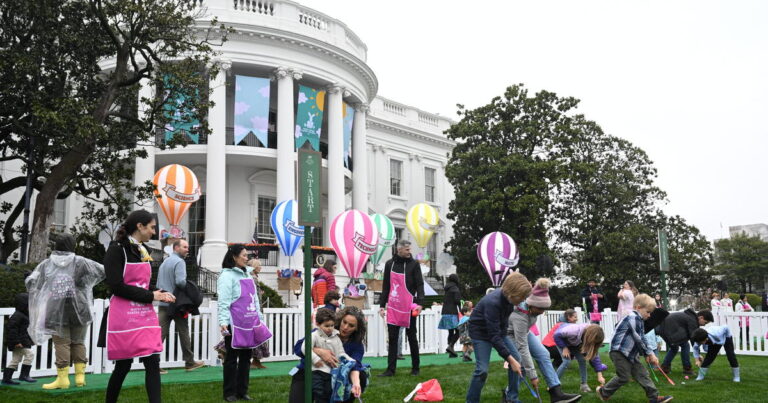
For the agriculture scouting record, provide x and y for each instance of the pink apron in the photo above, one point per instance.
(400, 301)
(247, 329)
(132, 327)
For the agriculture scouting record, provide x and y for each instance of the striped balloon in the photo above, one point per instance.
(354, 237)
(176, 188)
(498, 253)
(285, 225)
(422, 222)
(386, 236)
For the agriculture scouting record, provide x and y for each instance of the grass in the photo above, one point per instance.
(453, 376)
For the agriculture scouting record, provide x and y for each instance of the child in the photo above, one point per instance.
(327, 338)
(529, 346)
(488, 330)
(626, 345)
(19, 342)
(464, 339)
(713, 338)
(581, 341)
(676, 330)
(332, 299)
(569, 316)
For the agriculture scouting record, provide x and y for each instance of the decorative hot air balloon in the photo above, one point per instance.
(354, 237)
(386, 236)
(422, 221)
(288, 233)
(176, 188)
(498, 253)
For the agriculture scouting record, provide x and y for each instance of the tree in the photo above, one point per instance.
(742, 260)
(72, 70)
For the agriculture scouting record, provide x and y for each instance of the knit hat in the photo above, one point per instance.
(539, 297)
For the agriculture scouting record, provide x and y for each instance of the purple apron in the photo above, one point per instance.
(399, 301)
(247, 329)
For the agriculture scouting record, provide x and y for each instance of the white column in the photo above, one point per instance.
(215, 244)
(360, 161)
(335, 154)
(145, 167)
(286, 177)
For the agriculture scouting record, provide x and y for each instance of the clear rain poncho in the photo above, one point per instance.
(61, 294)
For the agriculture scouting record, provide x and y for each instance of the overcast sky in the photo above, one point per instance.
(687, 81)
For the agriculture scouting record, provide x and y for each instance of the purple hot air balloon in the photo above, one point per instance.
(498, 253)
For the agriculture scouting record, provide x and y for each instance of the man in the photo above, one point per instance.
(403, 287)
(593, 299)
(173, 275)
(676, 330)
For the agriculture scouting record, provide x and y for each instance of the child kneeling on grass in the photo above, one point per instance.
(627, 343)
(713, 338)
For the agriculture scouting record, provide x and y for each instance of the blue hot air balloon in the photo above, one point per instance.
(284, 222)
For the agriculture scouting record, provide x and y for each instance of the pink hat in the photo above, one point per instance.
(539, 297)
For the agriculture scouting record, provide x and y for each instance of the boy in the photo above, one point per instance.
(331, 300)
(529, 346)
(19, 342)
(713, 338)
(627, 343)
(676, 330)
(326, 338)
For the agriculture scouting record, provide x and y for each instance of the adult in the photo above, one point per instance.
(676, 330)
(743, 306)
(626, 297)
(488, 330)
(325, 280)
(726, 303)
(715, 304)
(261, 351)
(450, 315)
(240, 320)
(351, 324)
(131, 328)
(172, 275)
(594, 301)
(61, 295)
(403, 287)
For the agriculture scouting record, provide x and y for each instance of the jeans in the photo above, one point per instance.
(482, 357)
(541, 355)
(575, 353)
(685, 355)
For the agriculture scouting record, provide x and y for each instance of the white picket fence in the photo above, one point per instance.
(287, 325)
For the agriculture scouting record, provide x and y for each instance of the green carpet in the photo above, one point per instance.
(213, 374)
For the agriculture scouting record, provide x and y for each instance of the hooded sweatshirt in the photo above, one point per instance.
(330, 278)
(18, 324)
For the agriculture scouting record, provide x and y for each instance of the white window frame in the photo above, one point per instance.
(432, 187)
(400, 180)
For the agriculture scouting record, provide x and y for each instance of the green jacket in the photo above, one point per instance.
(228, 290)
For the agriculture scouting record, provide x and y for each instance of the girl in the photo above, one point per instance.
(581, 341)
(128, 273)
(240, 320)
(626, 299)
(324, 276)
(569, 316)
(450, 319)
(464, 339)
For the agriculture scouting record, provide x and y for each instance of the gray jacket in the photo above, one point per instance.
(172, 274)
(519, 325)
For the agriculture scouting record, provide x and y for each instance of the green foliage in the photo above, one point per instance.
(754, 300)
(12, 278)
(275, 300)
(742, 260)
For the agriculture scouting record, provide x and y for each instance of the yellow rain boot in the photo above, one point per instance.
(62, 380)
(79, 374)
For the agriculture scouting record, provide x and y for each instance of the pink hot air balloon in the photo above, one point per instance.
(498, 253)
(354, 237)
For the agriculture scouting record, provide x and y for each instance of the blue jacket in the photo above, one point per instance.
(490, 319)
(172, 274)
(228, 289)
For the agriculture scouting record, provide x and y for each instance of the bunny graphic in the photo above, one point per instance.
(394, 291)
(310, 123)
(252, 305)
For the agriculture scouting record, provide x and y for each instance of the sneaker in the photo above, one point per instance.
(163, 372)
(661, 399)
(585, 388)
(599, 392)
(196, 365)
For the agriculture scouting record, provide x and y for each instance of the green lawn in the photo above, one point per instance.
(453, 376)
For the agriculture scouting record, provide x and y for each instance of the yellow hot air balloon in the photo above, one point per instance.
(422, 221)
(177, 188)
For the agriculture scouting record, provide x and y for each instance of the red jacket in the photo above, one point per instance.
(330, 278)
(549, 339)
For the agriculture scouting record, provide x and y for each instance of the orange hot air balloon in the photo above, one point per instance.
(176, 188)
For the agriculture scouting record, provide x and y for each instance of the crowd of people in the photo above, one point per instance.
(59, 299)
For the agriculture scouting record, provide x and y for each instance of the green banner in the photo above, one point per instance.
(663, 251)
(309, 117)
(310, 211)
(180, 118)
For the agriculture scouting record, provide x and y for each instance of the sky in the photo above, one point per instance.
(687, 81)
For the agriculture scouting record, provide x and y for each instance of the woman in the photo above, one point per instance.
(132, 328)
(261, 351)
(350, 323)
(743, 306)
(626, 299)
(325, 280)
(715, 303)
(450, 319)
(240, 320)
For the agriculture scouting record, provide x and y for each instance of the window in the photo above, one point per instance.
(263, 227)
(395, 177)
(59, 223)
(196, 235)
(429, 184)
(317, 236)
(398, 237)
